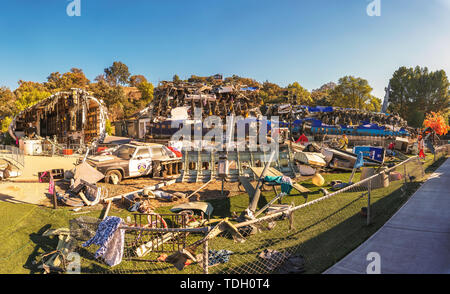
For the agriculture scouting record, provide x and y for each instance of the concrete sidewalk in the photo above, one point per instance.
(416, 240)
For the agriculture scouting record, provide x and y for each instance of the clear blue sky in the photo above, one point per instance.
(312, 42)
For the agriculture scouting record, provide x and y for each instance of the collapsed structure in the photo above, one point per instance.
(69, 117)
(329, 115)
(220, 99)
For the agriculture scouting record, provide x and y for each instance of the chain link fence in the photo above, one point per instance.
(289, 238)
(313, 236)
(12, 153)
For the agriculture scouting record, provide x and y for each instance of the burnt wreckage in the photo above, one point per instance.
(220, 99)
(69, 117)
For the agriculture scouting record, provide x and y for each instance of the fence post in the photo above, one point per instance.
(369, 185)
(421, 166)
(205, 257)
(404, 171)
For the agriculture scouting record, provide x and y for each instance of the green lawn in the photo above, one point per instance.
(323, 233)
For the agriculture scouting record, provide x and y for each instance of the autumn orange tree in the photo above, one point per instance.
(437, 122)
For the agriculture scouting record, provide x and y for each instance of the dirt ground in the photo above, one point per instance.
(27, 189)
(211, 191)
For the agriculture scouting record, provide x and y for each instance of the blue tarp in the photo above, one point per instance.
(320, 109)
(249, 89)
(376, 153)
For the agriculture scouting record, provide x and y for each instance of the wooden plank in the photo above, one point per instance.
(203, 186)
(247, 186)
(107, 209)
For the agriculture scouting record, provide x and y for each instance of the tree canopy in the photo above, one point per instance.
(117, 74)
(75, 78)
(352, 92)
(299, 95)
(416, 91)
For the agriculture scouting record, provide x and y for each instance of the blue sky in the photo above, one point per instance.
(312, 42)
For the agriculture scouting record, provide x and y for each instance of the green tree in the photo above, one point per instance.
(136, 80)
(75, 78)
(146, 89)
(321, 96)
(235, 79)
(7, 102)
(374, 104)
(298, 95)
(416, 91)
(176, 79)
(108, 127)
(117, 103)
(5, 124)
(117, 74)
(351, 92)
(100, 89)
(272, 93)
(197, 79)
(29, 93)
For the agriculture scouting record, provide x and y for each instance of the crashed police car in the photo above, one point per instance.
(136, 159)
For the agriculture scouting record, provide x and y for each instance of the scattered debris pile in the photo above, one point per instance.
(7, 170)
(334, 115)
(83, 189)
(220, 99)
(314, 158)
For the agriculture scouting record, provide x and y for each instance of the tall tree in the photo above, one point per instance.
(298, 95)
(416, 91)
(75, 78)
(7, 102)
(374, 104)
(136, 80)
(29, 93)
(351, 92)
(272, 93)
(243, 81)
(176, 78)
(321, 96)
(146, 89)
(117, 74)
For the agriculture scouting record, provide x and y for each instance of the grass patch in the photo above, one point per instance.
(324, 232)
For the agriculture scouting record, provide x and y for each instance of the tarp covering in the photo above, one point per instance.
(320, 109)
(87, 173)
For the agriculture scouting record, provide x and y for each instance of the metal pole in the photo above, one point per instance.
(404, 170)
(55, 199)
(368, 201)
(205, 258)
(254, 201)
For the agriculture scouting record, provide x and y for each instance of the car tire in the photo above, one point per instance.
(111, 174)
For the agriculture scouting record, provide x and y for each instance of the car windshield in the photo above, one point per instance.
(124, 152)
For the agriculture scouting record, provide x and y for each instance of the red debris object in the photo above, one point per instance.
(177, 153)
